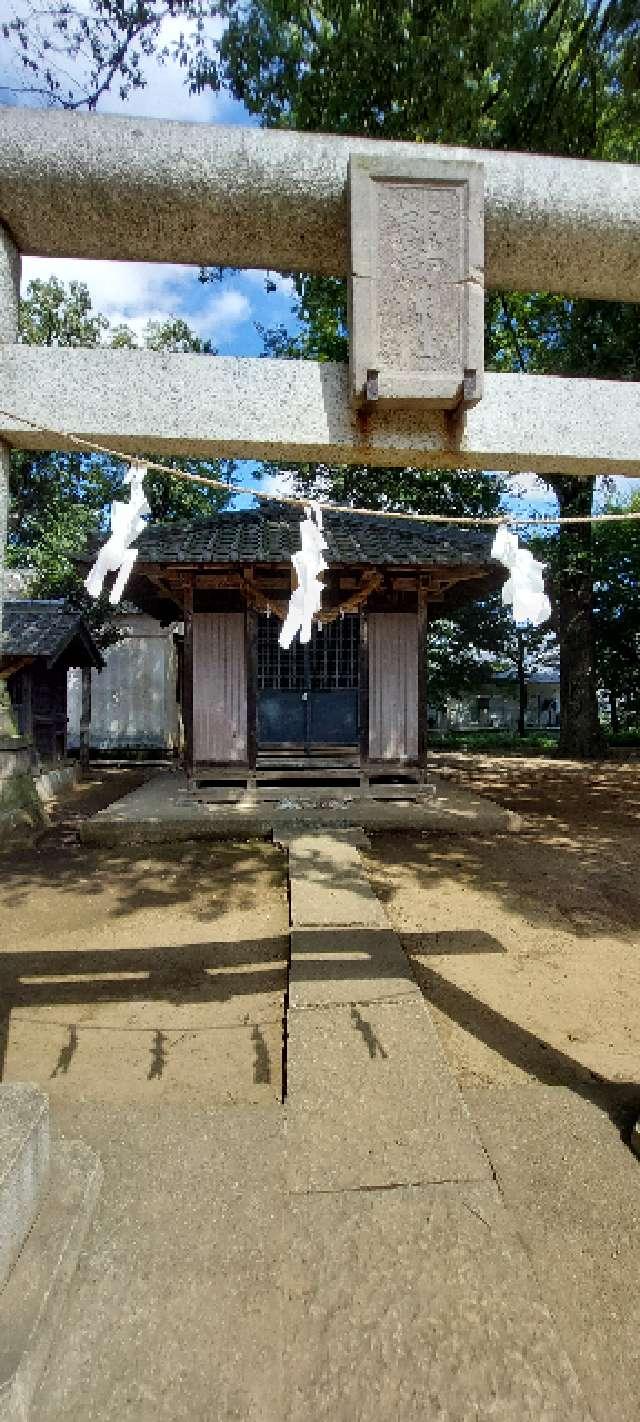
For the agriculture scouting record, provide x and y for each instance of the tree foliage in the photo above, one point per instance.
(616, 567)
(558, 76)
(60, 501)
(543, 75)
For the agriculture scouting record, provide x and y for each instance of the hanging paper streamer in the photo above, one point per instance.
(525, 588)
(309, 564)
(126, 522)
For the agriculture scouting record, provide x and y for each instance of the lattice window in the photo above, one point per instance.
(330, 662)
(278, 670)
(334, 655)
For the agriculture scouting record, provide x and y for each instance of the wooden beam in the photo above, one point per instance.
(85, 722)
(27, 703)
(423, 689)
(161, 582)
(251, 662)
(11, 665)
(363, 692)
(224, 581)
(187, 680)
(404, 584)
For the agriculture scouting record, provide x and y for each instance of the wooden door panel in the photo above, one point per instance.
(219, 687)
(393, 685)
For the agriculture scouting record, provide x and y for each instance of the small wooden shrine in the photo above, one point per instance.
(356, 695)
(41, 640)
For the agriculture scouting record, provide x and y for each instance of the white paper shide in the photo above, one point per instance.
(126, 522)
(524, 589)
(309, 563)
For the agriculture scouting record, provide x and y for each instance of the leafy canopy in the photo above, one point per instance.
(60, 501)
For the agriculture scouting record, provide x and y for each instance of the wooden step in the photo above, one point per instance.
(307, 762)
(312, 795)
(309, 773)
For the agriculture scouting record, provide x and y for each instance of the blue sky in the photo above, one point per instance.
(228, 312)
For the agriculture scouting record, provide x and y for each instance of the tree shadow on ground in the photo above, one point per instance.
(568, 887)
(602, 796)
(209, 879)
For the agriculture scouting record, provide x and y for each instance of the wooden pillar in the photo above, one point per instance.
(85, 722)
(251, 657)
(26, 728)
(187, 680)
(423, 687)
(363, 695)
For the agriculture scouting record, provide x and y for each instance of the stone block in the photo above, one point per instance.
(24, 1166)
(371, 1102)
(328, 885)
(416, 287)
(32, 1302)
(9, 288)
(347, 965)
(300, 410)
(136, 189)
(570, 1185)
(418, 1304)
(176, 1308)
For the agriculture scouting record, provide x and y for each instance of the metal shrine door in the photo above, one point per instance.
(308, 696)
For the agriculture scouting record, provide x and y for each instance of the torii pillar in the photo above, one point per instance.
(9, 316)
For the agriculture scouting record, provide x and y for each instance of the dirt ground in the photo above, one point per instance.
(527, 945)
(131, 976)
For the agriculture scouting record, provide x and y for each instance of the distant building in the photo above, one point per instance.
(134, 700)
(496, 704)
(43, 638)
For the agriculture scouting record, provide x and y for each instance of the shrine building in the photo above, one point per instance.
(354, 699)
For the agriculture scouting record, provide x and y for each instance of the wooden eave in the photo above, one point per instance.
(270, 583)
(10, 665)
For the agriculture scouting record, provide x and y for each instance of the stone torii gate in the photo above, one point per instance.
(416, 227)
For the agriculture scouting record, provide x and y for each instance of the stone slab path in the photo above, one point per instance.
(409, 1294)
(348, 1257)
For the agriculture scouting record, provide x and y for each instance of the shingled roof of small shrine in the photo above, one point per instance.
(270, 534)
(44, 627)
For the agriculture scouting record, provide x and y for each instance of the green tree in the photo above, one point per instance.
(60, 501)
(615, 566)
(539, 76)
(555, 76)
(476, 641)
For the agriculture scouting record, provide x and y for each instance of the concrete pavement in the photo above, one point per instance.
(348, 1256)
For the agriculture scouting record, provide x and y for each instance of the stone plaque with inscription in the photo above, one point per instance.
(416, 300)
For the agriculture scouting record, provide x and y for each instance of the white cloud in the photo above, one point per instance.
(137, 292)
(221, 314)
(529, 486)
(129, 288)
(278, 484)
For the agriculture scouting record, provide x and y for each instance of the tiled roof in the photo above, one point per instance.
(269, 534)
(42, 627)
